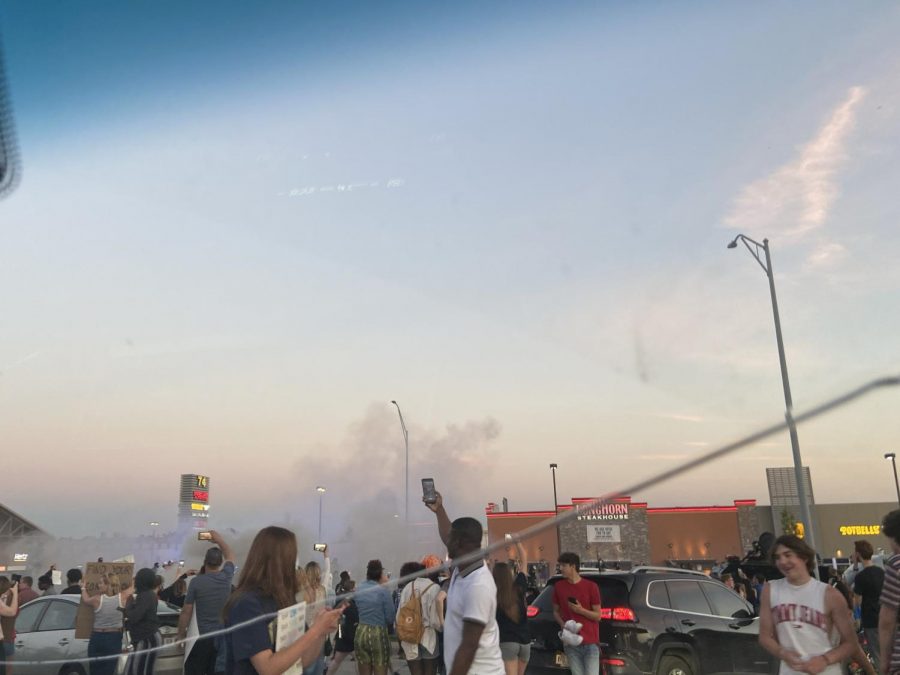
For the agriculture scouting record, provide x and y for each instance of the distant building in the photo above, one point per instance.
(193, 502)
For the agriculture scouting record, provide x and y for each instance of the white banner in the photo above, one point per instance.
(604, 534)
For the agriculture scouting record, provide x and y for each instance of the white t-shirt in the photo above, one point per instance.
(473, 597)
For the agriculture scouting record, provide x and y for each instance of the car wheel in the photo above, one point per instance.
(71, 669)
(674, 665)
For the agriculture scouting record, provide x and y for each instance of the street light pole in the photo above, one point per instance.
(556, 511)
(893, 457)
(788, 401)
(321, 492)
(406, 443)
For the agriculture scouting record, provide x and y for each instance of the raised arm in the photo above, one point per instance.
(13, 607)
(443, 520)
(217, 539)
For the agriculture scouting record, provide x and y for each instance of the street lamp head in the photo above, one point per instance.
(394, 402)
(889, 455)
(733, 243)
(319, 488)
(554, 466)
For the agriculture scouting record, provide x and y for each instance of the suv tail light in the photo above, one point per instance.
(617, 614)
(532, 611)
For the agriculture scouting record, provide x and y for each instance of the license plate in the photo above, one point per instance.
(561, 660)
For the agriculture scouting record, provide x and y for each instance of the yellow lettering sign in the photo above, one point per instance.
(202, 481)
(859, 530)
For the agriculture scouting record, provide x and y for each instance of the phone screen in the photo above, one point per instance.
(428, 492)
(204, 536)
(319, 547)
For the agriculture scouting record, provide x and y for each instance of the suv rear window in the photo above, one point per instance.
(687, 596)
(613, 593)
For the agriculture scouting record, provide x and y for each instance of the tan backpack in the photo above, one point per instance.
(410, 622)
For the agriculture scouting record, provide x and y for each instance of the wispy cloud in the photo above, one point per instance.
(798, 196)
(826, 255)
(679, 417)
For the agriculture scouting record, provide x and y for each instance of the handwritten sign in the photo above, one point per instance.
(291, 626)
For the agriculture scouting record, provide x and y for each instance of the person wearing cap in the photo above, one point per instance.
(207, 595)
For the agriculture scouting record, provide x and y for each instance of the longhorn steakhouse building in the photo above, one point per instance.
(630, 532)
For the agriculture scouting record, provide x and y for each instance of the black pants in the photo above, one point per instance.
(141, 662)
(202, 659)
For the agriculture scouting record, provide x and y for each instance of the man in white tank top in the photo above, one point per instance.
(803, 622)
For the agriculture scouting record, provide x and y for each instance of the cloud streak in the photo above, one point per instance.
(796, 198)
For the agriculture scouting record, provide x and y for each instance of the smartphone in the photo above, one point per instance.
(572, 599)
(320, 547)
(204, 536)
(508, 537)
(428, 492)
(16, 578)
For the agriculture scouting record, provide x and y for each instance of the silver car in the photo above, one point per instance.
(45, 631)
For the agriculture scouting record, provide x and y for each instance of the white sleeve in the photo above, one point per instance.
(480, 604)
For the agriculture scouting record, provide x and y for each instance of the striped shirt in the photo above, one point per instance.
(890, 598)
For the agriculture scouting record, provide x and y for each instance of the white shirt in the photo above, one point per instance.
(427, 591)
(801, 621)
(473, 597)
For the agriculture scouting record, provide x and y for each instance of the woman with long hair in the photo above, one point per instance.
(267, 584)
(142, 623)
(315, 593)
(515, 640)
(9, 608)
(106, 635)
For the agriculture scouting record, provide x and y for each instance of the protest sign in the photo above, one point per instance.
(291, 626)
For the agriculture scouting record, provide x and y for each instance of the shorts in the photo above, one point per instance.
(515, 651)
(372, 646)
(424, 654)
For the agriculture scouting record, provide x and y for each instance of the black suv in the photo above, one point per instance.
(658, 620)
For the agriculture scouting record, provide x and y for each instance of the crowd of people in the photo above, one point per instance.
(464, 618)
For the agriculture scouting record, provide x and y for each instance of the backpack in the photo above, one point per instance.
(410, 622)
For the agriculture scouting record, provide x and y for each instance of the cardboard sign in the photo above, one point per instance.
(93, 572)
(84, 620)
(56, 577)
(291, 626)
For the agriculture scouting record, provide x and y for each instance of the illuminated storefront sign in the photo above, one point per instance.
(604, 534)
(199, 507)
(202, 482)
(606, 512)
(20, 557)
(201, 495)
(859, 530)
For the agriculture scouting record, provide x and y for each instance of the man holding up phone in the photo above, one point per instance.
(578, 599)
(207, 595)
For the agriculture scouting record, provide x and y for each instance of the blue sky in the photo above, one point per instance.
(241, 231)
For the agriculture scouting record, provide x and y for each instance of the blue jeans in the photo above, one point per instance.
(583, 659)
(9, 648)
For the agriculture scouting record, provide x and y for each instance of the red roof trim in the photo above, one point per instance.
(613, 500)
(745, 502)
(695, 509)
(522, 514)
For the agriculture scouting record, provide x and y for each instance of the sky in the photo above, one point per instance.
(242, 230)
